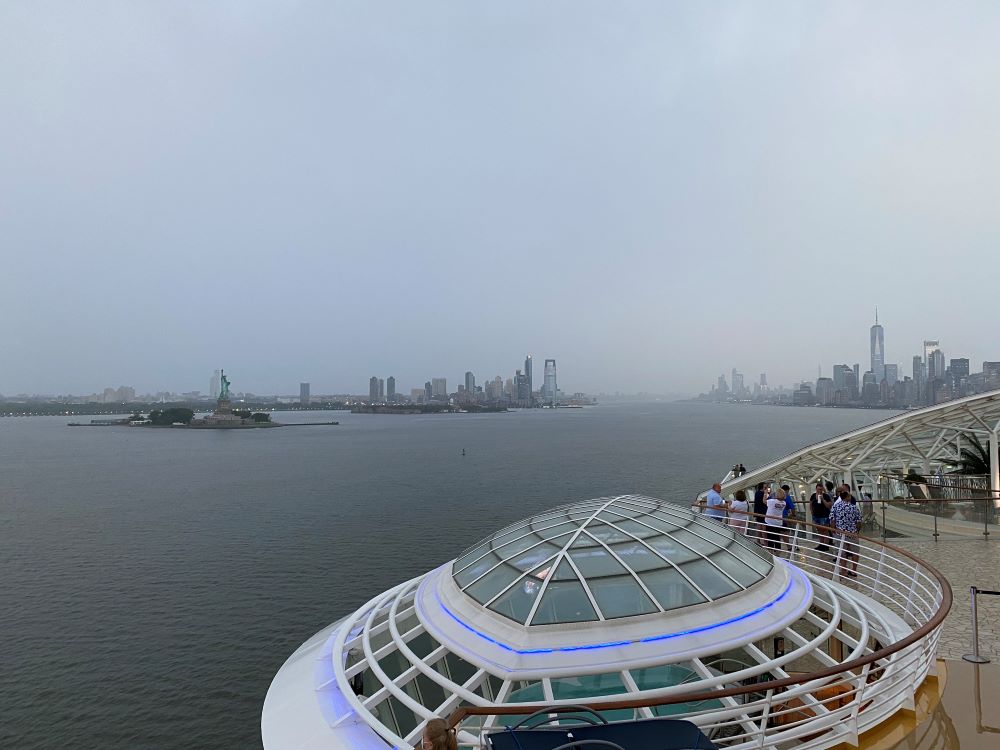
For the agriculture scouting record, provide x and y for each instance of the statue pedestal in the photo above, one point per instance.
(223, 407)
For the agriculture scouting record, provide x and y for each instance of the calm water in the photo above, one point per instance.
(153, 581)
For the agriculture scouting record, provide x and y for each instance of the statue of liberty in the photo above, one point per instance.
(224, 389)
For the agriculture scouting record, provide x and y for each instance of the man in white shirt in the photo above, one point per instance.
(715, 506)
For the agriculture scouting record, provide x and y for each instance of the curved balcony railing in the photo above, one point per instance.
(811, 709)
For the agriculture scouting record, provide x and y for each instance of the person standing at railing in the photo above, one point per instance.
(820, 503)
(739, 509)
(715, 506)
(845, 516)
(772, 520)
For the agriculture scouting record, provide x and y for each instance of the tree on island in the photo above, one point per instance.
(167, 417)
(253, 416)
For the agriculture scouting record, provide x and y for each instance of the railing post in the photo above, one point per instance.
(936, 507)
(883, 518)
(974, 657)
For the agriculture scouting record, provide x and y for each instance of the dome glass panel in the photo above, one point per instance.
(605, 559)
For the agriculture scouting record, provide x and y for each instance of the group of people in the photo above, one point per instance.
(833, 508)
(739, 470)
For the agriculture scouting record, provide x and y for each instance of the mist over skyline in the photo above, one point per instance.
(649, 193)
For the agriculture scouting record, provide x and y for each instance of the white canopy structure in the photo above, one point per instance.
(927, 440)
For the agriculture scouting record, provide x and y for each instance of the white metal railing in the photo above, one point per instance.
(824, 707)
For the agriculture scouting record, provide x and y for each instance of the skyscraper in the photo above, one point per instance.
(215, 385)
(304, 394)
(470, 382)
(929, 348)
(527, 375)
(439, 387)
(935, 366)
(372, 389)
(840, 376)
(381, 390)
(892, 374)
(549, 388)
(390, 389)
(877, 350)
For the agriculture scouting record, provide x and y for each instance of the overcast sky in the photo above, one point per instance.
(651, 193)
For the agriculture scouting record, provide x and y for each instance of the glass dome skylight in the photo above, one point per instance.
(605, 559)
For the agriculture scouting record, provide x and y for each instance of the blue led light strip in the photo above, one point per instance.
(614, 644)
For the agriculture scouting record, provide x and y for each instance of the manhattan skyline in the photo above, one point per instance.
(310, 192)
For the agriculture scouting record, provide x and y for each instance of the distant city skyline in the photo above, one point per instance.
(933, 379)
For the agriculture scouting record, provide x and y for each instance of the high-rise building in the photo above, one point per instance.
(372, 389)
(824, 391)
(381, 390)
(929, 348)
(304, 394)
(857, 372)
(877, 350)
(959, 368)
(416, 395)
(522, 388)
(721, 386)
(428, 391)
(470, 382)
(527, 374)
(935, 365)
(840, 376)
(763, 380)
(738, 387)
(215, 385)
(390, 389)
(892, 374)
(439, 388)
(549, 390)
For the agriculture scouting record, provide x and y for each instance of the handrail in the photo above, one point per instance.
(508, 709)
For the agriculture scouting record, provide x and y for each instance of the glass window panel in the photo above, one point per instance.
(518, 544)
(638, 557)
(565, 571)
(596, 562)
(384, 715)
(670, 588)
(531, 558)
(709, 579)
(694, 542)
(736, 568)
(459, 669)
(370, 683)
(587, 686)
(606, 534)
(423, 645)
(517, 601)
(671, 549)
(752, 560)
(473, 554)
(620, 596)
(378, 640)
(564, 601)
(658, 523)
(406, 720)
(431, 694)
(467, 576)
(635, 528)
(492, 583)
(713, 531)
(667, 675)
(394, 664)
(554, 530)
(505, 535)
(527, 692)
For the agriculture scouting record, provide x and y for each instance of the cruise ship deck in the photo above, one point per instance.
(643, 609)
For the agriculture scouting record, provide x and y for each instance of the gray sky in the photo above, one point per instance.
(651, 193)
